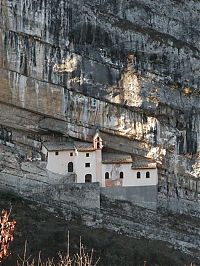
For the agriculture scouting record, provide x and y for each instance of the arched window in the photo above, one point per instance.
(121, 175)
(70, 167)
(88, 178)
(148, 174)
(106, 175)
(138, 175)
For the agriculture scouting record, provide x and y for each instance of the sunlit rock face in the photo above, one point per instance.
(87, 46)
(130, 68)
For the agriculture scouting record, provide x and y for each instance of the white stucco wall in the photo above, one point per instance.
(132, 180)
(115, 169)
(81, 170)
(44, 150)
(99, 177)
(130, 175)
(59, 163)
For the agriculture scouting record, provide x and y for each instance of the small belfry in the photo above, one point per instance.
(97, 141)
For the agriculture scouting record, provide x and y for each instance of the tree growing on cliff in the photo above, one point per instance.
(6, 234)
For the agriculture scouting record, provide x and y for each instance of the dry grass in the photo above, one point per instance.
(6, 237)
(79, 259)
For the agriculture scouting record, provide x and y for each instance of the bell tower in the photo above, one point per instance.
(98, 145)
(97, 141)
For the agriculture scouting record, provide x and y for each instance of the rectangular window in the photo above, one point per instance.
(56, 153)
(87, 165)
(71, 153)
(87, 155)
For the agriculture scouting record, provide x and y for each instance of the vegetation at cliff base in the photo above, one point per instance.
(47, 232)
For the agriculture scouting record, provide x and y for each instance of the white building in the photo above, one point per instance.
(122, 170)
(89, 164)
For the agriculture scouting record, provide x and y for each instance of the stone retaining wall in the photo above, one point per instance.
(145, 196)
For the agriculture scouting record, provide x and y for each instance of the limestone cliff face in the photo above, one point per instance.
(130, 68)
